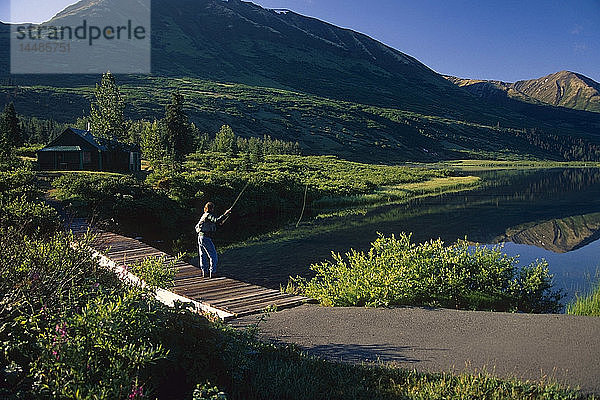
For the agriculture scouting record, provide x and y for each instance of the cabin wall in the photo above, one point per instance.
(59, 160)
(46, 161)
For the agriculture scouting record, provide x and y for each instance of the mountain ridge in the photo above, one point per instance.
(563, 89)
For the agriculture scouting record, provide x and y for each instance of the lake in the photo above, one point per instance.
(552, 214)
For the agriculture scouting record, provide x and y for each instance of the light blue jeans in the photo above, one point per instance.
(207, 255)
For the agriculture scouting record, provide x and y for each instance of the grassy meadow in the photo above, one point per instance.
(278, 189)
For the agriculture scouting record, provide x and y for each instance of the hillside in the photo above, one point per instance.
(321, 126)
(235, 41)
(333, 90)
(564, 88)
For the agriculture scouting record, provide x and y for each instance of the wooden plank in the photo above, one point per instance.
(186, 268)
(215, 281)
(252, 301)
(226, 298)
(132, 247)
(233, 293)
(112, 237)
(255, 300)
(134, 258)
(240, 308)
(189, 268)
(239, 297)
(262, 304)
(187, 273)
(117, 250)
(202, 291)
(206, 287)
(254, 310)
(181, 264)
(103, 238)
(189, 281)
(120, 250)
(140, 257)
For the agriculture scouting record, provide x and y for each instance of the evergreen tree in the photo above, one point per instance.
(177, 135)
(11, 126)
(107, 119)
(5, 148)
(203, 142)
(225, 141)
(256, 149)
(151, 143)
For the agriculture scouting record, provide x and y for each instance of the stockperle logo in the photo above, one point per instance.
(85, 38)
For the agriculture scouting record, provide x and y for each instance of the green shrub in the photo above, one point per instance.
(397, 272)
(29, 218)
(43, 282)
(207, 391)
(126, 203)
(18, 182)
(104, 351)
(28, 150)
(156, 272)
(586, 305)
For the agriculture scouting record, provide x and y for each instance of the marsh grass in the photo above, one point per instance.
(486, 165)
(390, 194)
(586, 305)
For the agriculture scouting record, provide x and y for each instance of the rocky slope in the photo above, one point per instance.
(564, 88)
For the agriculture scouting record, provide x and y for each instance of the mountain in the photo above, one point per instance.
(564, 89)
(235, 41)
(334, 90)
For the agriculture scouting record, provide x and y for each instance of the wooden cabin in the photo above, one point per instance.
(76, 149)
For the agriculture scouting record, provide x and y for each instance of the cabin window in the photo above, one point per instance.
(87, 157)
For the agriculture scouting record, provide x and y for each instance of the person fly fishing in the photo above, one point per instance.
(206, 228)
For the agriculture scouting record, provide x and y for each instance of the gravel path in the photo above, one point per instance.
(529, 347)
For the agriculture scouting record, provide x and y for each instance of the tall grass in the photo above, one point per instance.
(586, 305)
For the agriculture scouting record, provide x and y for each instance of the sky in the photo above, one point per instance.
(506, 40)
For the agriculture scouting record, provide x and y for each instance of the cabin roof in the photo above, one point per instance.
(101, 144)
(88, 137)
(62, 148)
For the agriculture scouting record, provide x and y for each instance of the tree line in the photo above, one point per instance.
(568, 148)
(167, 139)
(172, 137)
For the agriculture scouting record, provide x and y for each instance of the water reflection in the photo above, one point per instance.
(557, 235)
(541, 211)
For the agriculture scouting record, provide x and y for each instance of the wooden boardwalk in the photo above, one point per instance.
(221, 293)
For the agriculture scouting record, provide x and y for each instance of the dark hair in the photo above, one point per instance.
(209, 206)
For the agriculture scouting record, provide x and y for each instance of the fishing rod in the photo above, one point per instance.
(236, 200)
(240, 195)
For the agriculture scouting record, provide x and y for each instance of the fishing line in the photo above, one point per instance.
(303, 205)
